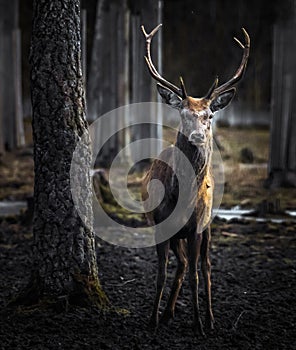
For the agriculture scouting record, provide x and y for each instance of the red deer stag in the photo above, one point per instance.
(194, 139)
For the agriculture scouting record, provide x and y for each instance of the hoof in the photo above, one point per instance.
(166, 317)
(198, 330)
(210, 323)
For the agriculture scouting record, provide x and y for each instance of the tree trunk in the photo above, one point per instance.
(148, 13)
(11, 117)
(118, 73)
(2, 138)
(17, 79)
(65, 266)
(282, 159)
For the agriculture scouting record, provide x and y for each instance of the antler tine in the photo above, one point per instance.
(155, 30)
(148, 43)
(241, 69)
(212, 88)
(183, 89)
(153, 71)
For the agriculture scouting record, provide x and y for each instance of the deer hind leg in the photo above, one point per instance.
(162, 252)
(178, 248)
(206, 271)
(194, 244)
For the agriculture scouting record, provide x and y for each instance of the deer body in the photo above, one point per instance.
(160, 170)
(194, 139)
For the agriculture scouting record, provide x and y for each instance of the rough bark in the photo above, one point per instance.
(65, 266)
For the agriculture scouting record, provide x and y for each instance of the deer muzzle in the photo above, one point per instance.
(197, 138)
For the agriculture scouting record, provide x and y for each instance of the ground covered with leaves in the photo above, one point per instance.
(254, 283)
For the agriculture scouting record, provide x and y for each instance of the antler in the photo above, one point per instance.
(214, 90)
(180, 92)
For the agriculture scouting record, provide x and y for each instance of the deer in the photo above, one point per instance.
(195, 140)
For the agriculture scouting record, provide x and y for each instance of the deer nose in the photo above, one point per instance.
(196, 138)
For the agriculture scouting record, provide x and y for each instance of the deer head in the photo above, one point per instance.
(196, 113)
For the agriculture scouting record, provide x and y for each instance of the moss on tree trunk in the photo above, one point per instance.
(65, 265)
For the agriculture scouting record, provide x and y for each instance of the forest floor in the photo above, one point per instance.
(254, 283)
(253, 273)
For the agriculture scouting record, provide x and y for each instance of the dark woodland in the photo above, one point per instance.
(64, 64)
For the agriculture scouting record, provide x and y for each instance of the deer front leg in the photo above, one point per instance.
(162, 253)
(194, 243)
(177, 247)
(206, 271)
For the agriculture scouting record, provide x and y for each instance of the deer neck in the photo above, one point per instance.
(199, 157)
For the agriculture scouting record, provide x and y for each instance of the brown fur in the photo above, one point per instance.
(196, 104)
(195, 141)
(191, 234)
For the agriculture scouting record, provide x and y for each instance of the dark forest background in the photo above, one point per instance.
(197, 42)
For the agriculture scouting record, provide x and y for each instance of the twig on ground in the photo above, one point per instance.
(234, 327)
(123, 284)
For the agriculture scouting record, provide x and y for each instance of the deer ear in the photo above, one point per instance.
(169, 97)
(222, 100)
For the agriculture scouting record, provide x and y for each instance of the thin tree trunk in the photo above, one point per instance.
(19, 125)
(9, 19)
(95, 95)
(2, 138)
(84, 45)
(148, 13)
(282, 158)
(65, 263)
